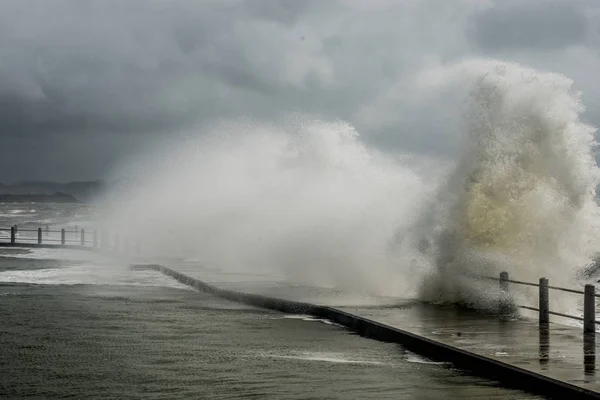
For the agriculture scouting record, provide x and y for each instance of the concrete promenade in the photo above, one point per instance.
(557, 362)
(558, 352)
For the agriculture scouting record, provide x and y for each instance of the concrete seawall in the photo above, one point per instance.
(509, 374)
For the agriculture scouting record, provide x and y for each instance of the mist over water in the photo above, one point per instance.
(309, 201)
(305, 200)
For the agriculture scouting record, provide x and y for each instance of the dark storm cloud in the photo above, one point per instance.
(107, 69)
(535, 25)
(95, 80)
(130, 66)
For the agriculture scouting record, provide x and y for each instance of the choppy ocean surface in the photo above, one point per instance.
(82, 326)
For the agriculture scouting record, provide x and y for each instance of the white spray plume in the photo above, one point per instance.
(309, 201)
(305, 200)
(522, 198)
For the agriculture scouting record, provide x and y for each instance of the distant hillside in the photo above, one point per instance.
(80, 191)
(37, 198)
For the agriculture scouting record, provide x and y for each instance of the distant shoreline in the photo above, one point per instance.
(38, 198)
(47, 191)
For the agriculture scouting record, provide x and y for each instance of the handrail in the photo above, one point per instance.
(520, 282)
(43, 230)
(568, 290)
(97, 240)
(493, 278)
(566, 315)
(589, 301)
(121, 244)
(529, 308)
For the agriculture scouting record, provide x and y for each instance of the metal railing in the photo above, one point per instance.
(76, 238)
(543, 309)
(120, 244)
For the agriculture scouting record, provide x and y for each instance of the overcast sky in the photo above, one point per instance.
(86, 83)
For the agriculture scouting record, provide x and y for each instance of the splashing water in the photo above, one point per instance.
(309, 201)
(522, 199)
(306, 201)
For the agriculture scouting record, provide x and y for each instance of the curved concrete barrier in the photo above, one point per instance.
(510, 375)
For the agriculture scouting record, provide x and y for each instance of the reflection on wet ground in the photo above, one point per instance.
(137, 342)
(554, 350)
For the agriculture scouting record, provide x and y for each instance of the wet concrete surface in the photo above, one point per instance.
(92, 332)
(557, 351)
(279, 287)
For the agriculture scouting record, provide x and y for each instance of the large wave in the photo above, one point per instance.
(522, 197)
(309, 201)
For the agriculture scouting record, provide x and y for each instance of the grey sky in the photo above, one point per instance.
(86, 83)
(535, 25)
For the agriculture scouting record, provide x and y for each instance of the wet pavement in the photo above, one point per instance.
(280, 287)
(557, 351)
(87, 329)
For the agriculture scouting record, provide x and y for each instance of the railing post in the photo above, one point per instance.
(82, 237)
(62, 236)
(589, 353)
(589, 309)
(504, 281)
(39, 235)
(504, 304)
(95, 239)
(544, 302)
(13, 234)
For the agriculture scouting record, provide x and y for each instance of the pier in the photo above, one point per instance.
(533, 354)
